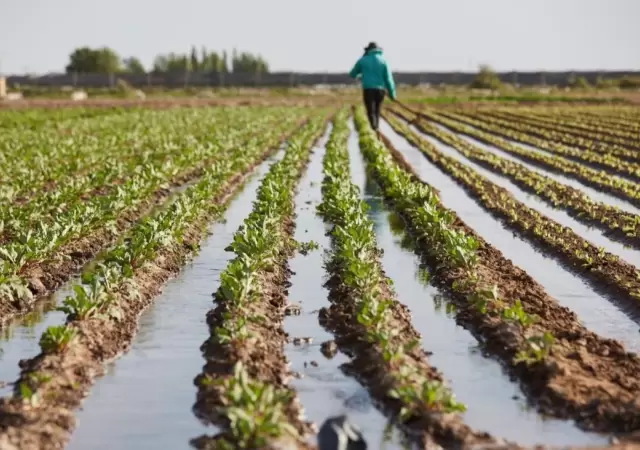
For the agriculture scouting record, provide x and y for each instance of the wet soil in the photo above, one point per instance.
(428, 427)
(585, 377)
(62, 380)
(605, 271)
(581, 136)
(323, 388)
(595, 195)
(45, 276)
(494, 402)
(581, 208)
(261, 353)
(147, 396)
(542, 159)
(592, 307)
(626, 170)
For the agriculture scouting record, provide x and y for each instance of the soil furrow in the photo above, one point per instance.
(587, 139)
(44, 277)
(52, 385)
(389, 360)
(625, 190)
(246, 349)
(607, 272)
(579, 375)
(608, 163)
(617, 224)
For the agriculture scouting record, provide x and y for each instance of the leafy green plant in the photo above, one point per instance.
(56, 339)
(536, 349)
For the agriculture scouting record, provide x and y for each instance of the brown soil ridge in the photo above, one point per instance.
(606, 272)
(50, 422)
(170, 102)
(429, 427)
(600, 215)
(262, 355)
(544, 163)
(44, 277)
(627, 170)
(369, 366)
(586, 378)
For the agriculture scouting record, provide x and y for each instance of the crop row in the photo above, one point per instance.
(523, 133)
(35, 159)
(542, 343)
(243, 384)
(595, 264)
(370, 324)
(46, 160)
(587, 137)
(34, 261)
(606, 139)
(102, 313)
(621, 188)
(617, 223)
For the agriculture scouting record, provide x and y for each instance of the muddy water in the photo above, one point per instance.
(146, 397)
(493, 402)
(324, 390)
(594, 310)
(591, 192)
(591, 234)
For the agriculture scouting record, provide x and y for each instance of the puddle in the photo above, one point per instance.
(146, 398)
(591, 234)
(594, 310)
(324, 390)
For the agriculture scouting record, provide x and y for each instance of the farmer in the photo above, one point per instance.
(376, 78)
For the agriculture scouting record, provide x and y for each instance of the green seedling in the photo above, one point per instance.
(536, 349)
(56, 339)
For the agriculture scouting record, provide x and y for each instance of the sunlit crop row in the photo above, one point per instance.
(255, 405)
(523, 133)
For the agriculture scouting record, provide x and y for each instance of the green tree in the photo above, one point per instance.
(486, 79)
(194, 63)
(133, 65)
(248, 63)
(88, 60)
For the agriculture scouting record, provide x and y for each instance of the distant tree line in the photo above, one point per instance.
(106, 60)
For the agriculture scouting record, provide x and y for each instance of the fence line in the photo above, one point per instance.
(291, 79)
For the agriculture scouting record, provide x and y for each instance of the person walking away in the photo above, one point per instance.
(376, 78)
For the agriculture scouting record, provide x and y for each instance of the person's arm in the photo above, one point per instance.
(356, 71)
(388, 81)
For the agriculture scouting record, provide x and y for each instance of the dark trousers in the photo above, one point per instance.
(373, 101)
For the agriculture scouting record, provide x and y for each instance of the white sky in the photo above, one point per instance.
(328, 35)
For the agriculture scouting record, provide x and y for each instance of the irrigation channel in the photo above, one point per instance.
(596, 311)
(145, 398)
(591, 234)
(588, 190)
(147, 395)
(575, 183)
(493, 401)
(164, 356)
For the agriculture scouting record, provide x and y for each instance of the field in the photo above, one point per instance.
(230, 274)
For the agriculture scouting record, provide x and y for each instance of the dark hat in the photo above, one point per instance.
(372, 46)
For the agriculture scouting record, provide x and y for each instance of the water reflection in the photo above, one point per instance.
(494, 402)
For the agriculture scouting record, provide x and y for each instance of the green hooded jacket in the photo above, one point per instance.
(374, 72)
